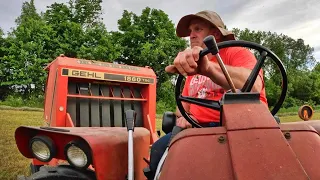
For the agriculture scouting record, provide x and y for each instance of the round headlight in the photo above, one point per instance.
(78, 154)
(42, 148)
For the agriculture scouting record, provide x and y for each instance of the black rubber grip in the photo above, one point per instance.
(211, 44)
(130, 119)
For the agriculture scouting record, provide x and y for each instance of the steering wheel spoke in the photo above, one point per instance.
(254, 73)
(201, 102)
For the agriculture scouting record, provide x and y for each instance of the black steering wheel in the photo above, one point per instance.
(213, 47)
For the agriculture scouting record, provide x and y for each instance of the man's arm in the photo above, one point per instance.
(186, 106)
(187, 63)
(181, 121)
(239, 75)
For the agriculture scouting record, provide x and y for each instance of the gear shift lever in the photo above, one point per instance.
(130, 120)
(212, 48)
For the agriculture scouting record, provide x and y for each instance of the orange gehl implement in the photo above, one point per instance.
(85, 104)
(84, 93)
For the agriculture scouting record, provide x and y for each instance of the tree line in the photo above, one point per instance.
(76, 29)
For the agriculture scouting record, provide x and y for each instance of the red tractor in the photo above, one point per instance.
(250, 142)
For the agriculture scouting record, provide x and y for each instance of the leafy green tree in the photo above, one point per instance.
(78, 31)
(68, 35)
(26, 54)
(296, 56)
(28, 11)
(86, 12)
(37, 40)
(167, 101)
(148, 40)
(4, 89)
(98, 45)
(314, 77)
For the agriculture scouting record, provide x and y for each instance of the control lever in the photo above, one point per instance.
(212, 48)
(130, 120)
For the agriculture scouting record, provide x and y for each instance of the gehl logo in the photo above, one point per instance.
(82, 74)
(106, 76)
(86, 74)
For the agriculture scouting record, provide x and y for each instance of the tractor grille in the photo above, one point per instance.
(103, 105)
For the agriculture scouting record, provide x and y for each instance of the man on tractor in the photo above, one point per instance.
(204, 78)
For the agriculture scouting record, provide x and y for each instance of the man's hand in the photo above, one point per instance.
(183, 123)
(187, 63)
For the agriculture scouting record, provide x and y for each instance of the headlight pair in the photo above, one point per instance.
(77, 153)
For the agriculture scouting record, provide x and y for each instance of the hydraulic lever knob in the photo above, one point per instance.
(131, 116)
(212, 47)
(211, 44)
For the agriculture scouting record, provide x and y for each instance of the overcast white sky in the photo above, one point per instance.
(295, 18)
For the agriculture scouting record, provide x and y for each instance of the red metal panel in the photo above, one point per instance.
(49, 96)
(306, 145)
(297, 126)
(149, 107)
(61, 100)
(199, 132)
(197, 154)
(306, 125)
(257, 146)
(247, 116)
(55, 105)
(154, 135)
(263, 154)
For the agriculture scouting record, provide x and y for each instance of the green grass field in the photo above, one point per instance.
(13, 163)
